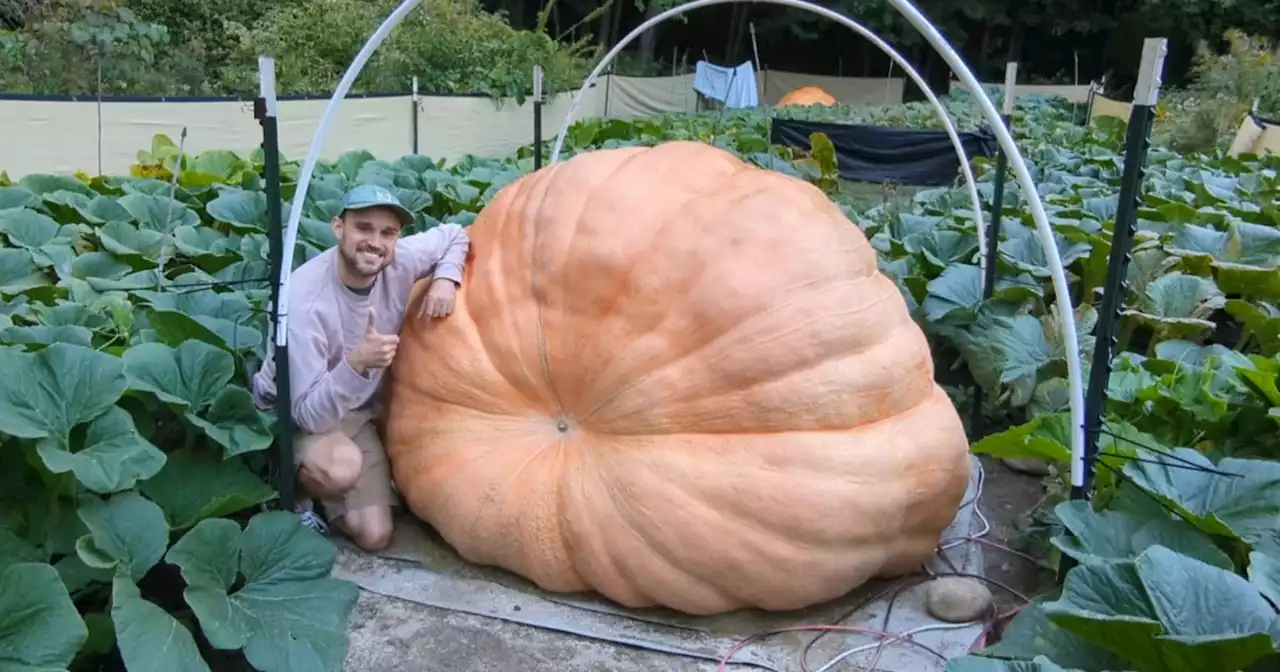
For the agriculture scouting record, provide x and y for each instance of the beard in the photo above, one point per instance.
(365, 262)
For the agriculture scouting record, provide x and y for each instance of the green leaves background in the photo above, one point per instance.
(131, 312)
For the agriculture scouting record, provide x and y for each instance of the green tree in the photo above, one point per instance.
(450, 45)
(97, 48)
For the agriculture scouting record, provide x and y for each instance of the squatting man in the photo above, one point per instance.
(346, 306)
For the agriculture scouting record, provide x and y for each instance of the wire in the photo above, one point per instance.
(905, 635)
(724, 662)
(883, 634)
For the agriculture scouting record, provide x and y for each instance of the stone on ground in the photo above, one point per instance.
(958, 599)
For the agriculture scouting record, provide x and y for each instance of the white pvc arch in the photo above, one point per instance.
(1044, 230)
(975, 201)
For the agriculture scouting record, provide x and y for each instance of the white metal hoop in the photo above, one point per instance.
(290, 241)
(975, 201)
(1062, 297)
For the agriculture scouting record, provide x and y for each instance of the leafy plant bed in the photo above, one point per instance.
(1196, 381)
(135, 521)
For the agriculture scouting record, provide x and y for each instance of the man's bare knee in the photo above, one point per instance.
(371, 527)
(331, 468)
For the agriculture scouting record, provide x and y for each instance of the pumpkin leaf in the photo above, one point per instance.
(1245, 506)
(1032, 635)
(1116, 535)
(150, 638)
(1178, 305)
(287, 614)
(1167, 611)
(40, 628)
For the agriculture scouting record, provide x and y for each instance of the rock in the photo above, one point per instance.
(958, 599)
(1031, 466)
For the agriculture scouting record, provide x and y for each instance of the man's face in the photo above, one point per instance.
(367, 240)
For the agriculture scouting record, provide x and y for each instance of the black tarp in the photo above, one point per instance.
(880, 154)
(1264, 121)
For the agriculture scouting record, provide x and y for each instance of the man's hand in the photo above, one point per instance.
(439, 299)
(375, 351)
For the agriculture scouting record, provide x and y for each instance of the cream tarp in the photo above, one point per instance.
(451, 126)
(630, 97)
(62, 136)
(1103, 106)
(1255, 138)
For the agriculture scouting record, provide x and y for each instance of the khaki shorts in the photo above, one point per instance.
(374, 486)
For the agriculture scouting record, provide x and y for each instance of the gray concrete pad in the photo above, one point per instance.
(424, 608)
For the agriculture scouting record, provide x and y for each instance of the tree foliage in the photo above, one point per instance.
(162, 47)
(166, 47)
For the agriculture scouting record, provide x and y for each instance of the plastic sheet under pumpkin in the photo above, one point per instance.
(807, 95)
(680, 380)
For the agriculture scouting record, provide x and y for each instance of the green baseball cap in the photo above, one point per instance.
(373, 196)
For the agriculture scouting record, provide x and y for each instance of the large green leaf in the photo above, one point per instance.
(127, 534)
(1117, 535)
(19, 272)
(28, 228)
(190, 375)
(47, 393)
(130, 242)
(1166, 612)
(113, 455)
(244, 211)
(956, 294)
(234, 422)
(17, 197)
(287, 615)
(174, 328)
(1009, 351)
(1236, 498)
(1032, 634)
(196, 376)
(1178, 305)
(1264, 574)
(195, 485)
(40, 629)
(1044, 437)
(149, 638)
(158, 213)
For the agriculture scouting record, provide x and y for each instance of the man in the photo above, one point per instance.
(346, 306)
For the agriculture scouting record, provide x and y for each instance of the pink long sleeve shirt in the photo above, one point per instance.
(327, 319)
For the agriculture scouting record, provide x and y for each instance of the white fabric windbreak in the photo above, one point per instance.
(58, 136)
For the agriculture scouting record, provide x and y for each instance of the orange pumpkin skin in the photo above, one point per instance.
(675, 379)
(807, 95)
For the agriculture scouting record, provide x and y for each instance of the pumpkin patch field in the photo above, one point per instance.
(136, 481)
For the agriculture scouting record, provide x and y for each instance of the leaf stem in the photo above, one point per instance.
(1245, 335)
(1127, 326)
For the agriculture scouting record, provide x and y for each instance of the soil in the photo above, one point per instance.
(1008, 498)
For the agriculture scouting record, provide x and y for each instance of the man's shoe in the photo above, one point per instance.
(310, 517)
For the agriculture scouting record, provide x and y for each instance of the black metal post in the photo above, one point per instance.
(265, 112)
(537, 117)
(1137, 142)
(413, 116)
(537, 134)
(993, 231)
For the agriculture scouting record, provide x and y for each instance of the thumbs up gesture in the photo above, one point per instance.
(375, 350)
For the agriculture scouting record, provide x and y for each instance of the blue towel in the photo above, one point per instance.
(735, 87)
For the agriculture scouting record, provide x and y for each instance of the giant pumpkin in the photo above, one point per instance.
(675, 379)
(807, 95)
